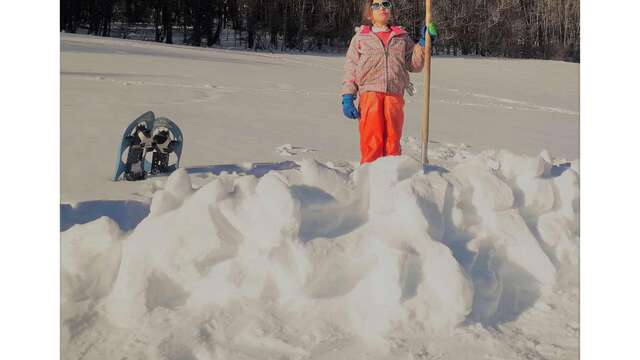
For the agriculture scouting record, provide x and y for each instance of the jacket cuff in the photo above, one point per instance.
(349, 88)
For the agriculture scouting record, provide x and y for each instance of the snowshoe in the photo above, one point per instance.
(167, 140)
(159, 140)
(136, 141)
(139, 144)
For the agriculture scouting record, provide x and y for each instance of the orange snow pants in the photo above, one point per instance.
(381, 120)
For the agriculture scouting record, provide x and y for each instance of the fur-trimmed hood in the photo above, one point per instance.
(365, 29)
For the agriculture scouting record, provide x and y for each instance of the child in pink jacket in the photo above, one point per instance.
(379, 60)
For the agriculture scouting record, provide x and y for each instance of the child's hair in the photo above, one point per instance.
(367, 13)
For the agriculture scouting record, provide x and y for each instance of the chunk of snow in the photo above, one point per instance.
(283, 258)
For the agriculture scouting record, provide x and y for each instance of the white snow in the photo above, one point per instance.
(242, 106)
(284, 264)
(290, 150)
(272, 242)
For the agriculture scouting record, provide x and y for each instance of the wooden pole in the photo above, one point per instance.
(424, 131)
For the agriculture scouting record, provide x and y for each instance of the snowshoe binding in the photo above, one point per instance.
(139, 144)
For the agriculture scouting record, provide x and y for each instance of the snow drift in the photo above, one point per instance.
(247, 267)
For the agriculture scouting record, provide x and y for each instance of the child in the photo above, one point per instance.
(377, 69)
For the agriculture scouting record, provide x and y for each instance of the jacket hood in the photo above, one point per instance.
(365, 29)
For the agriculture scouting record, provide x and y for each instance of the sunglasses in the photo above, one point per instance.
(380, 5)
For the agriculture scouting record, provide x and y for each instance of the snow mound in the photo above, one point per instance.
(271, 267)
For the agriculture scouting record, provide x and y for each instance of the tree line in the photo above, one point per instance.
(545, 29)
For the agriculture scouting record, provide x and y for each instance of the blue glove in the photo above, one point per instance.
(433, 34)
(348, 108)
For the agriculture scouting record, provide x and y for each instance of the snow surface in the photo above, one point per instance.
(292, 250)
(242, 106)
(320, 263)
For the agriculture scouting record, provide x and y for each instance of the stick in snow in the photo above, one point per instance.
(424, 131)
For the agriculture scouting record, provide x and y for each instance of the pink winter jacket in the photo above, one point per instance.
(372, 67)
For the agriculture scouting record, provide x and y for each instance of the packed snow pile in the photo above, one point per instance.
(274, 267)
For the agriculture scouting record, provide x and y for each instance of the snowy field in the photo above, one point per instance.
(272, 243)
(237, 106)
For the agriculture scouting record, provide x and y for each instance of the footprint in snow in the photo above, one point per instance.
(289, 150)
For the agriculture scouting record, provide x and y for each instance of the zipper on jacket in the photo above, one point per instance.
(386, 59)
(386, 69)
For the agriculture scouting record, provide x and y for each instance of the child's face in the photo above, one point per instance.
(380, 11)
